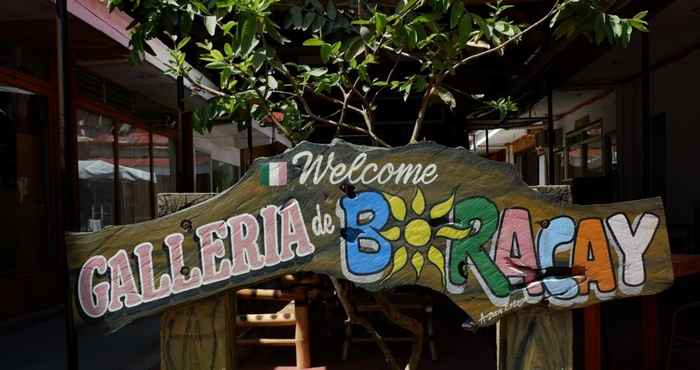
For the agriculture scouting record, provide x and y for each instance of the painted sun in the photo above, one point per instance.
(417, 235)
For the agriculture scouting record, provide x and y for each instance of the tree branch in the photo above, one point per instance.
(335, 101)
(276, 122)
(353, 318)
(369, 133)
(418, 125)
(205, 88)
(406, 322)
(502, 45)
(388, 79)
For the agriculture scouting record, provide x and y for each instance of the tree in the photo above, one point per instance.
(362, 47)
(242, 39)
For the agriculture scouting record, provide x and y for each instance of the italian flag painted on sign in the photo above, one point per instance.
(274, 174)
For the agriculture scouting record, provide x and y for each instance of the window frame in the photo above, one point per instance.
(582, 145)
(120, 117)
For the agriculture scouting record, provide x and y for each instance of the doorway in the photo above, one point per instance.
(28, 260)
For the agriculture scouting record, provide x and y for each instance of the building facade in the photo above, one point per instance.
(125, 139)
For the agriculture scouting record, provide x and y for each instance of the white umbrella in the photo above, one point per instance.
(98, 169)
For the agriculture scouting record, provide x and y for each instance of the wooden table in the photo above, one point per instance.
(683, 265)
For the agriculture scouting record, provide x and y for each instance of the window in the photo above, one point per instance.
(163, 164)
(95, 171)
(559, 166)
(125, 194)
(134, 173)
(224, 175)
(584, 152)
(202, 171)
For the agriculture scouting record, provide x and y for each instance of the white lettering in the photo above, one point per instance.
(360, 173)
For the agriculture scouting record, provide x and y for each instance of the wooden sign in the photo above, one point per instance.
(419, 214)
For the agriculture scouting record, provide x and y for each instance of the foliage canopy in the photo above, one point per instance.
(361, 46)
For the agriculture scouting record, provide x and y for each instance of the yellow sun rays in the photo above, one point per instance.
(418, 233)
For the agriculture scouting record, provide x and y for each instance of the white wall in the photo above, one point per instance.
(228, 154)
(602, 106)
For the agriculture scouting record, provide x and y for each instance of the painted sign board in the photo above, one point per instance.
(421, 214)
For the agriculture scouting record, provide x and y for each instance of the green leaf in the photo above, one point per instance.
(272, 82)
(201, 7)
(615, 26)
(228, 50)
(247, 34)
(183, 42)
(186, 25)
(325, 52)
(361, 22)
(425, 18)
(354, 47)
(370, 59)
(411, 36)
(641, 15)
(318, 72)
(504, 28)
(380, 23)
(272, 31)
(626, 34)
(258, 60)
(421, 83)
(308, 20)
(330, 10)
(639, 25)
(296, 17)
(465, 29)
(446, 97)
(599, 28)
(227, 27)
(484, 27)
(210, 24)
(314, 42)
(456, 14)
(406, 88)
(216, 55)
(317, 5)
(216, 65)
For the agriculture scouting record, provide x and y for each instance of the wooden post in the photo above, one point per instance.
(199, 336)
(591, 338)
(535, 338)
(301, 334)
(69, 204)
(650, 331)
